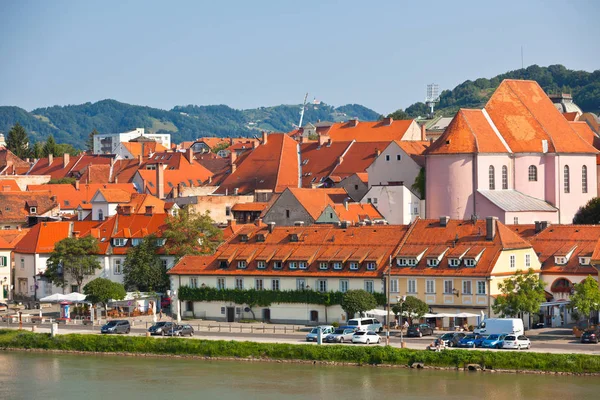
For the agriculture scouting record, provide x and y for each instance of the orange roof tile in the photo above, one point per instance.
(357, 212)
(9, 238)
(319, 161)
(414, 149)
(43, 236)
(314, 201)
(571, 116)
(144, 148)
(363, 131)
(139, 202)
(115, 195)
(14, 206)
(75, 164)
(249, 207)
(586, 133)
(9, 185)
(357, 158)
(69, 197)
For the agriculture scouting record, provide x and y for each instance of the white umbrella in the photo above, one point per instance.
(466, 315)
(53, 298)
(75, 297)
(379, 313)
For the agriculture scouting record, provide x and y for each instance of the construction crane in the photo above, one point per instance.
(302, 110)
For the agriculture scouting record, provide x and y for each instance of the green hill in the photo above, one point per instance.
(72, 124)
(584, 86)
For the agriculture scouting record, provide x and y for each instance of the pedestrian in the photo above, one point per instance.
(160, 315)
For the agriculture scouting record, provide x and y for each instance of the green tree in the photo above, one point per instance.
(102, 290)
(419, 184)
(586, 297)
(588, 214)
(143, 269)
(72, 260)
(49, 147)
(38, 150)
(190, 233)
(64, 148)
(89, 143)
(399, 114)
(358, 301)
(17, 141)
(221, 146)
(521, 293)
(412, 307)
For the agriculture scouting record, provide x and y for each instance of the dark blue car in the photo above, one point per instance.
(472, 340)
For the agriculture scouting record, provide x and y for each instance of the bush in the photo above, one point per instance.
(576, 363)
(335, 324)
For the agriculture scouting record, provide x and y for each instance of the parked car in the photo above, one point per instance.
(452, 339)
(590, 336)
(538, 325)
(366, 324)
(116, 326)
(160, 328)
(472, 340)
(493, 341)
(3, 307)
(314, 332)
(180, 330)
(341, 335)
(419, 330)
(516, 342)
(366, 337)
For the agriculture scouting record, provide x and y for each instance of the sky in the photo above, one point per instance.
(247, 54)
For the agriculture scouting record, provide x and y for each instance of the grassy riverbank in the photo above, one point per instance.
(375, 355)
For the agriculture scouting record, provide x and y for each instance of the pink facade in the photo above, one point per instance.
(449, 186)
(578, 196)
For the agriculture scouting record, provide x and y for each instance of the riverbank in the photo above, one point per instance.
(348, 355)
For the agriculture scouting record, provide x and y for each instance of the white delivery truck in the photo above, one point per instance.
(497, 326)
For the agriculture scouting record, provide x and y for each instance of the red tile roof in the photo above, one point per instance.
(318, 161)
(10, 164)
(43, 236)
(249, 207)
(75, 164)
(414, 149)
(571, 116)
(14, 206)
(362, 131)
(357, 158)
(144, 148)
(314, 201)
(586, 133)
(9, 238)
(319, 242)
(69, 197)
(271, 166)
(139, 202)
(9, 185)
(357, 212)
(112, 195)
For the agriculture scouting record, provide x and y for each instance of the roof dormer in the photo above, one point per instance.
(410, 256)
(562, 256)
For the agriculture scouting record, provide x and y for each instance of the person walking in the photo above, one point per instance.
(160, 315)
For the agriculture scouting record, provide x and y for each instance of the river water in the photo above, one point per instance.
(82, 377)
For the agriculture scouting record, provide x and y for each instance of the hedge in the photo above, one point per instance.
(264, 298)
(574, 363)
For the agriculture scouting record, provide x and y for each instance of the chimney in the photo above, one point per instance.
(388, 121)
(264, 137)
(323, 139)
(160, 181)
(353, 123)
(444, 220)
(112, 161)
(66, 158)
(271, 226)
(378, 152)
(490, 228)
(76, 234)
(190, 155)
(175, 192)
(77, 184)
(210, 179)
(258, 222)
(233, 168)
(423, 133)
(234, 157)
(140, 159)
(540, 226)
(346, 200)
(236, 191)
(50, 159)
(149, 210)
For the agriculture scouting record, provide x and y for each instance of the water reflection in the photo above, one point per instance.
(48, 376)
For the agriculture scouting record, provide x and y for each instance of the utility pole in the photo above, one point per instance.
(388, 284)
(302, 111)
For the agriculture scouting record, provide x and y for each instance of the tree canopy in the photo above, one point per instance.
(102, 290)
(358, 301)
(49, 147)
(521, 293)
(412, 307)
(586, 297)
(17, 141)
(588, 214)
(72, 260)
(190, 233)
(143, 269)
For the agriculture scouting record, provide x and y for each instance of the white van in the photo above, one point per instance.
(497, 326)
(365, 324)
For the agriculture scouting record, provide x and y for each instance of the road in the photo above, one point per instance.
(566, 345)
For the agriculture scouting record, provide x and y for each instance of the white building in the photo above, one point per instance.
(107, 143)
(398, 204)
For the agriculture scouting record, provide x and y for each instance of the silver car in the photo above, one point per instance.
(340, 335)
(325, 330)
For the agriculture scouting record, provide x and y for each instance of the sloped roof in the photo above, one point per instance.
(186, 175)
(314, 201)
(42, 237)
(128, 226)
(143, 148)
(124, 170)
(259, 207)
(13, 205)
(414, 149)
(58, 170)
(315, 242)
(95, 174)
(514, 201)
(139, 202)
(357, 212)
(9, 185)
(586, 133)
(358, 157)
(318, 161)
(115, 195)
(11, 164)
(69, 197)
(9, 238)
(363, 131)
(271, 166)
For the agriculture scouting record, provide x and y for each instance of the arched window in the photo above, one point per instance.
(566, 183)
(504, 177)
(561, 285)
(100, 215)
(584, 179)
(491, 176)
(532, 173)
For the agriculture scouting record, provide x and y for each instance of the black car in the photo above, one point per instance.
(452, 339)
(180, 330)
(419, 330)
(590, 336)
(160, 328)
(116, 326)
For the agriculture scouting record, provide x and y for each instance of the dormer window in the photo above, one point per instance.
(303, 265)
(433, 262)
(412, 262)
(323, 265)
(223, 264)
(371, 266)
(160, 242)
(353, 266)
(260, 237)
(470, 262)
(243, 238)
(119, 242)
(337, 265)
(277, 265)
(584, 260)
(293, 264)
(402, 262)
(261, 265)
(32, 210)
(136, 242)
(454, 262)
(560, 260)
(241, 264)
(293, 237)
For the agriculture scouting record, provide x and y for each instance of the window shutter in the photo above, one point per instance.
(4, 261)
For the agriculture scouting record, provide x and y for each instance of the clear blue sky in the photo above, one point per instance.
(257, 53)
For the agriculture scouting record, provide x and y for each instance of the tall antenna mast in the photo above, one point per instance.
(302, 110)
(433, 96)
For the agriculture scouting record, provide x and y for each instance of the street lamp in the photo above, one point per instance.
(307, 288)
(401, 300)
(173, 295)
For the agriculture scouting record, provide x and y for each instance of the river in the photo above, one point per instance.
(30, 376)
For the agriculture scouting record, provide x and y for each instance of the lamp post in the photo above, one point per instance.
(388, 284)
(173, 295)
(307, 288)
(401, 300)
